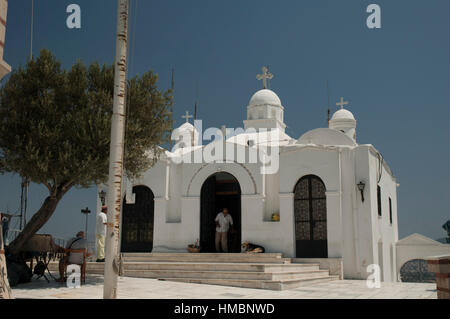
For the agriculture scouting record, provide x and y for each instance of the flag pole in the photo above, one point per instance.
(116, 155)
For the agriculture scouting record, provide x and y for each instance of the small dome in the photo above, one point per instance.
(265, 97)
(343, 114)
(186, 127)
(325, 136)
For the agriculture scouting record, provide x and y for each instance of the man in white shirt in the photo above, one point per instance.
(223, 223)
(101, 233)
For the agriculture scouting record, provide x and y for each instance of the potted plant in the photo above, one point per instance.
(195, 248)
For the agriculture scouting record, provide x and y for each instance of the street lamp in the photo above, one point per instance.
(86, 212)
(102, 195)
(361, 187)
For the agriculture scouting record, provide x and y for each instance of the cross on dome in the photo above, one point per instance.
(187, 116)
(342, 103)
(264, 76)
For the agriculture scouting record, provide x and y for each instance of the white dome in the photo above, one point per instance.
(185, 128)
(325, 136)
(343, 114)
(265, 97)
(344, 121)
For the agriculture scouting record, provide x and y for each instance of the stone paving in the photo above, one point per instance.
(137, 288)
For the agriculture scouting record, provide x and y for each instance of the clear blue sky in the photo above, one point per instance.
(397, 79)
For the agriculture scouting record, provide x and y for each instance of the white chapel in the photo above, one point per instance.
(319, 194)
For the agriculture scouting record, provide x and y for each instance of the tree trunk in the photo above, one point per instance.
(5, 290)
(37, 221)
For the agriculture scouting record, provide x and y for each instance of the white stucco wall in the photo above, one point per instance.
(384, 233)
(297, 162)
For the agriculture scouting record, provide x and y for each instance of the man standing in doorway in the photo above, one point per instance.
(223, 223)
(101, 233)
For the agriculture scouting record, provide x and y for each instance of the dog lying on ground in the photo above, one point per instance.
(250, 248)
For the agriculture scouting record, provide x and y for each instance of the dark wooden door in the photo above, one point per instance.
(207, 215)
(137, 222)
(310, 212)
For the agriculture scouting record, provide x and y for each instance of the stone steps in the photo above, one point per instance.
(225, 275)
(97, 268)
(262, 271)
(242, 267)
(180, 255)
(257, 284)
(275, 258)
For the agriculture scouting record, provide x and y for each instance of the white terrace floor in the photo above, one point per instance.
(136, 288)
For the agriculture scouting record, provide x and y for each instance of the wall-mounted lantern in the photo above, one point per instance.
(361, 187)
(102, 195)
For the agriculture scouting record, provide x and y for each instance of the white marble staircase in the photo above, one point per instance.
(263, 271)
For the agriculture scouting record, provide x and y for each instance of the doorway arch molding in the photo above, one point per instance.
(239, 171)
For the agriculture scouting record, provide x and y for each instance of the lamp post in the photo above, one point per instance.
(361, 187)
(86, 212)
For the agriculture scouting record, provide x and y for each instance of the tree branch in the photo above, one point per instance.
(49, 187)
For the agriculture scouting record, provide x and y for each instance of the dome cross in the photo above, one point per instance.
(266, 75)
(187, 116)
(342, 103)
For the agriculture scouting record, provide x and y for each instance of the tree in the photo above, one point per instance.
(55, 128)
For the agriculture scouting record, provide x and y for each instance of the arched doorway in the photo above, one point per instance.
(137, 221)
(221, 190)
(310, 211)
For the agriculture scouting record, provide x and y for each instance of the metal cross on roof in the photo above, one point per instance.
(187, 116)
(342, 103)
(266, 75)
